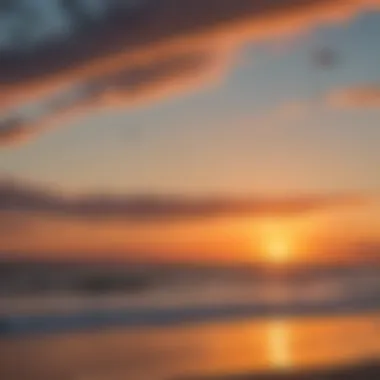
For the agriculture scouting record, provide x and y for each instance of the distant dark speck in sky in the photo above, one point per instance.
(326, 58)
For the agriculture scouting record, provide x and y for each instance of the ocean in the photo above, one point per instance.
(192, 322)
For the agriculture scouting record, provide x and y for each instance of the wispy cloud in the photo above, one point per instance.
(148, 34)
(26, 200)
(365, 95)
(131, 87)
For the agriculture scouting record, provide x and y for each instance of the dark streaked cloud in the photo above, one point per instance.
(158, 28)
(28, 24)
(95, 40)
(155, 27)
(361, 96)
(26, 200)
(130, 87)
(155, 79)
(14, 131)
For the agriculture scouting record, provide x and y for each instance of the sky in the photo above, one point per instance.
(251, 138)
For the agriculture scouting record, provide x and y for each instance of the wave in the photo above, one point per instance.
(193, 299)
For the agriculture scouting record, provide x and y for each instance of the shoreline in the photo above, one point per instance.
(369, 370)
(15, 325)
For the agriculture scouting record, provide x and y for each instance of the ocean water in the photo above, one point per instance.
(222, 321)
(186, 296)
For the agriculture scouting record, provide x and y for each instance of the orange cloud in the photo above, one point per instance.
(13, 132)
(356, 96)
(28, 200)
(171, 28)
(159, 79)
(168, 30)
(45, 222)
(132, 87)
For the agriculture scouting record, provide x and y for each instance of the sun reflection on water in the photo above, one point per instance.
(279, 349)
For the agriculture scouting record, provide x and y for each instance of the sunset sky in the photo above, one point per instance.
(274, 116)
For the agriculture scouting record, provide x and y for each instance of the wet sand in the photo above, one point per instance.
(366, 371)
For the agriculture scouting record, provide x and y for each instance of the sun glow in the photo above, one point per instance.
(277, 244)
(278, 250)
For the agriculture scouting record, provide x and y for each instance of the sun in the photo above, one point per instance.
(277, 250)
(276, 244)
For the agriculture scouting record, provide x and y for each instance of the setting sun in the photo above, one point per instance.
(278, 251)
(276, 243)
